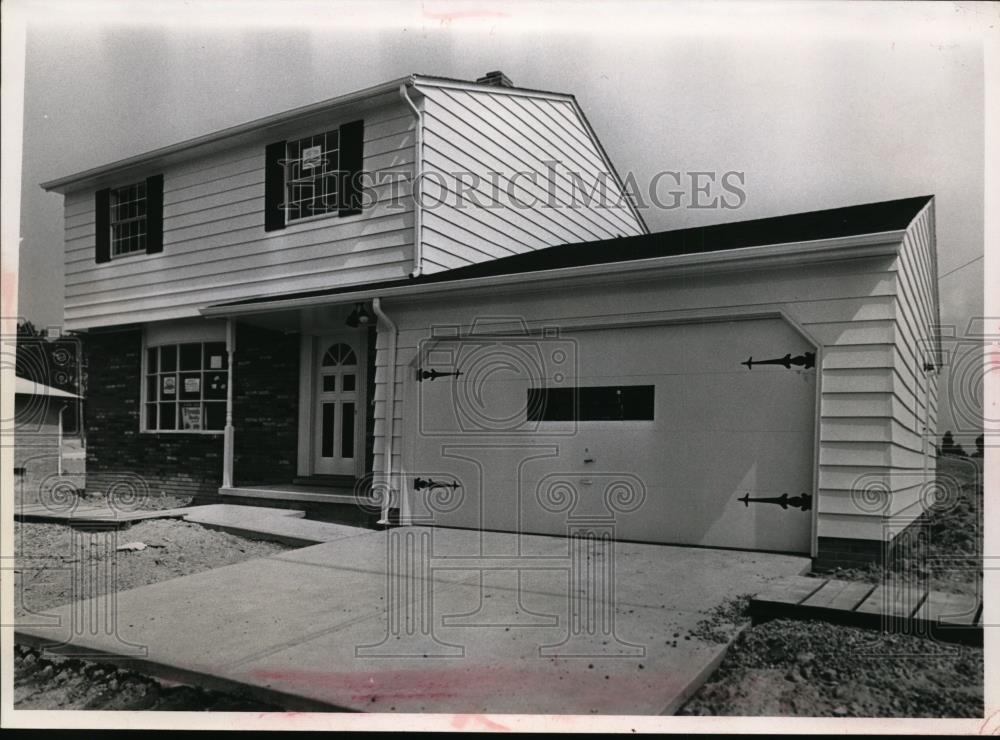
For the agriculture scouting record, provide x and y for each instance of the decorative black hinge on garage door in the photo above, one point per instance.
(421, 483)
(423, 375)
(803, 501)
(805, 360)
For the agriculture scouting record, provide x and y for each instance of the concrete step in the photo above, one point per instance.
(262, 523)
(293, 493)
(346, 482)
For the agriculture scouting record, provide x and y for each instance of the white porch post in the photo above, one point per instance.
(227, 454)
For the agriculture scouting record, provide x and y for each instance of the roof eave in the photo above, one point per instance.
(62, 184)
(773, 255)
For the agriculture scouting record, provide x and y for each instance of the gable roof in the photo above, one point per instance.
(868, 218)
(348, 103)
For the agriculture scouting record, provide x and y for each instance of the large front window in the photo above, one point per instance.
(311, 175)
(185, 387)
(128, 219)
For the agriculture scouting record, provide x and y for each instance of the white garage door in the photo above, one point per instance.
(660, 433)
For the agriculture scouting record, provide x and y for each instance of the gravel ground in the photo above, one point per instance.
(814, 669)
(779, 668)
(954, 528)
(174, 548)
(44, 682)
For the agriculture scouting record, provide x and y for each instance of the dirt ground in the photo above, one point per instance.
(953, 529)
(48, 554)
(814, 669)
(779, 668)
(51, 552)
(42, 681)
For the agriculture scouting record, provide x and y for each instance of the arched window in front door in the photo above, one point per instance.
(339, 354)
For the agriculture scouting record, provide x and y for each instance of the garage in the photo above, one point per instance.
(698, 433)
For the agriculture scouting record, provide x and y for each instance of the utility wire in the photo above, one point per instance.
(975, 259)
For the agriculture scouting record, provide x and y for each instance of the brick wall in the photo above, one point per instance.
(839, 552)
(265, 406)
(265, 401)
(119, 457)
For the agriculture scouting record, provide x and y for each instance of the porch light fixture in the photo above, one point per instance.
(359, 316)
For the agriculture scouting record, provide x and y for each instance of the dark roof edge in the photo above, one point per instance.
(897, 215)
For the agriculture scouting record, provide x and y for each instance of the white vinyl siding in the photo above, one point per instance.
(869, 430)
(482, 132)
(215, 246)
(917, 390)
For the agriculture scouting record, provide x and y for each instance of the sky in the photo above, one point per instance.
(819, 104)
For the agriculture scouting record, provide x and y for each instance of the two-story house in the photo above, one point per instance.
(434, 300)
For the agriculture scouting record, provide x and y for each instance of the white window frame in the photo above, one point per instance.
(290, 170)
(176, 338)
(142, 220)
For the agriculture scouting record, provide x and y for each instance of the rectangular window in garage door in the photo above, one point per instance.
(594, 403)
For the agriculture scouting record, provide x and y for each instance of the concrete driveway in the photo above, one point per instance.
(421, 619)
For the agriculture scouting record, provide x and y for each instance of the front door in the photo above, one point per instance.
(336, 418)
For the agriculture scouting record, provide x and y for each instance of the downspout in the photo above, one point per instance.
(59, 449)
(390, 402)
(228, 441)
(418, 172)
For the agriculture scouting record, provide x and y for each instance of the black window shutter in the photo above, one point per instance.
(352, 154)
(274, 186)
(102, 225)
(154, 214)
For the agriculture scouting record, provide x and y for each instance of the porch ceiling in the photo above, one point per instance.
(307, 320)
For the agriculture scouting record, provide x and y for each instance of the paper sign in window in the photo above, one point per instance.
(169, 385)
(191, 416)
(312, 157)
(215, 362)
(192, 385)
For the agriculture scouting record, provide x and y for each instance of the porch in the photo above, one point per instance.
(300, 424)
(341, 499)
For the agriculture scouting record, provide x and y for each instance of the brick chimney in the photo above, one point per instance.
(497, 79)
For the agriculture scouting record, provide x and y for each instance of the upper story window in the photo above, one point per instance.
(311, 168)
(317, 175)
(128, 219)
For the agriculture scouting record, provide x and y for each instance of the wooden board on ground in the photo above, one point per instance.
(894, 607)
(893, 600)
(790, 591)
(949, 609)
(839, 595)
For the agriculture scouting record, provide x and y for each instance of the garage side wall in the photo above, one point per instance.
(917, 372)
(848, 307)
